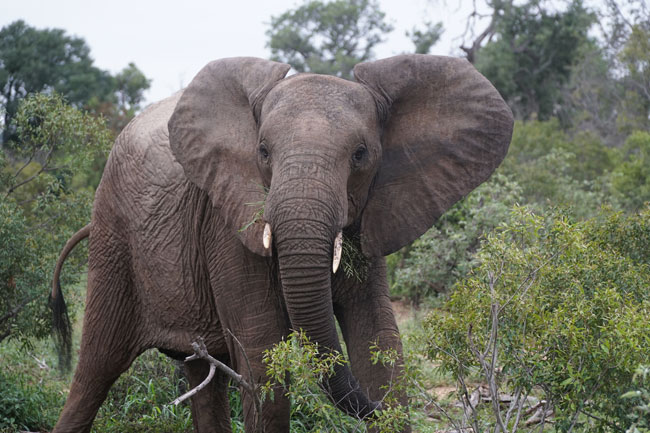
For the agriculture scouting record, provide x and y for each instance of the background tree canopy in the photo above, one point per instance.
(327, 37)
(34, 60)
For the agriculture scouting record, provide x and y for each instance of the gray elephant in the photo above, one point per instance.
(222, 208)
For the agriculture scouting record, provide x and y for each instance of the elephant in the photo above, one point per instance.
(222, 209)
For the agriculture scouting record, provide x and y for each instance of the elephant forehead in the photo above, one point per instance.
(319, 94)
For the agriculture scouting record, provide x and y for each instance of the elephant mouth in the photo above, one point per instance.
(267, 238)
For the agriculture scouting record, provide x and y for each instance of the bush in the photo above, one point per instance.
(640, 397)
(553, 168)
(296, 369)
(139, 400)
(556, 308)
(27, 406)
(38, 208)
(631, 178)
(446, 253)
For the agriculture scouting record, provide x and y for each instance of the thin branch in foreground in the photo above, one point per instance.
(252, 389)
(201, 352)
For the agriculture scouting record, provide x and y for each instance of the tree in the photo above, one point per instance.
(531, 52)
(327, 38)
(129, 87)
(38, 209)
(556, 310)
(49, 60)
(609, 88)
(426, 38)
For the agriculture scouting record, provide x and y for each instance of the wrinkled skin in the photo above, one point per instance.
(380, 158)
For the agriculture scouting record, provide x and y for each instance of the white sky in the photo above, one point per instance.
(171, 41)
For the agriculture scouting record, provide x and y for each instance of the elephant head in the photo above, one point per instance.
(385, 155)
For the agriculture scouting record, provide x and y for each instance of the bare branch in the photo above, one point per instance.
(251, 389)
(34, 176)
(31, 157)
(201, 352)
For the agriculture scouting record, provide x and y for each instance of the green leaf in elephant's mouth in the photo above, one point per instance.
(259, 206)
(354, 263)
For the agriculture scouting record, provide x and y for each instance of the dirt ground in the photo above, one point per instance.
(403, 310)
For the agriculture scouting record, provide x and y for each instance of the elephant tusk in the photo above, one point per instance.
(266, 239)
(338, 248)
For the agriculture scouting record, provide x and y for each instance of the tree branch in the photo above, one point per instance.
(34, 176)
(201, 352)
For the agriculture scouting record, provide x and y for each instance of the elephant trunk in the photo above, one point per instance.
(304, 230)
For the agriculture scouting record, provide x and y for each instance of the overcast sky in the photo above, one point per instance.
(171, 41)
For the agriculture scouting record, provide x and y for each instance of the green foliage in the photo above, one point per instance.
(295, 368)
(641, 398)
(631, 178)
(446, 253)
(38, 209)
(49, 60)
(23, 306)
(327, 37)
(553, 167)
(33, 61)
(32, 392)
(425, 39)
(556, 307)
(25, 405)
(139, 400)
(635, 58)
(532, 54)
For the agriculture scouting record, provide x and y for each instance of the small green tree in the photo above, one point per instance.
(327, 37)
(38, 209)
(557, 309)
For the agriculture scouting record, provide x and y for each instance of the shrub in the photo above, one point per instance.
(139, 400)
(27, 406)
(295, 368)
(556, 308)
(446, 253)
(631, 178)
(640, 397)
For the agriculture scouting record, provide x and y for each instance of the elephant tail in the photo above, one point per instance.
(61, 320)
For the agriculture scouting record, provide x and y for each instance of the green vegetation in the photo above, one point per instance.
(49, 60)
(556, 307)
(327, 37)
(40, 208)
(532, 56)
(139, 400)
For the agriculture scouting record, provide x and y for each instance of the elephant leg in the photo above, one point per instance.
(275, 414)
(366, 317)
(110, 339)
(210, 406)
(253, 319)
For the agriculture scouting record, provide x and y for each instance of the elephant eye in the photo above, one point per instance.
(264, 152)
(358, 155)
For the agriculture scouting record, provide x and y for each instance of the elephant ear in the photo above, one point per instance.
(446, 130)
(213, 135)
